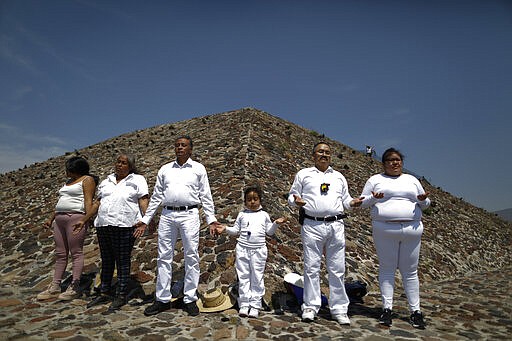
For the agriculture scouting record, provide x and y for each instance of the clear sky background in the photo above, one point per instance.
(432, 78)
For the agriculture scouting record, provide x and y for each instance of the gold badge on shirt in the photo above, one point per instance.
(324, 188)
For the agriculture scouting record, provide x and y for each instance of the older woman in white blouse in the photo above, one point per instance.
(122, 199)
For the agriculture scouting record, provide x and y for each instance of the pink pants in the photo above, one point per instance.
(68, 243)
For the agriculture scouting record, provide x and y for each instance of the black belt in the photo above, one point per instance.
(181, 208)
(328, 218)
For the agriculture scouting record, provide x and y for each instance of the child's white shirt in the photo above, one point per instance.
(251, 228)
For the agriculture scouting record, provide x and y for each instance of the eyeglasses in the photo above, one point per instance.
(323, 152)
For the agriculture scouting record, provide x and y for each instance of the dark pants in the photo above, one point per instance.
(116, 244)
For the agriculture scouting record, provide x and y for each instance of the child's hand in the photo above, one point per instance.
(216, 228)
(281, 220)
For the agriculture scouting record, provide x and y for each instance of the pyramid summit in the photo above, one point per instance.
(239, 148)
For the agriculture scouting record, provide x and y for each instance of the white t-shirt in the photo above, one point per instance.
(400, 201)
(119, 204)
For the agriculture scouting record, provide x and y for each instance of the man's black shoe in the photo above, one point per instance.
(118, 302)
(157, 307)
(417, 320)
(101, 299)
(191, 308)
(385, 318)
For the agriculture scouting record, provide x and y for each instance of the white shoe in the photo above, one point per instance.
(243, 312)
(254, 313)
(342, 319)
(308, 315)
(71, 293)
(53, 290)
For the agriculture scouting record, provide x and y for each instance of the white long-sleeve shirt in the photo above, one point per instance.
(119, 204)
(400, 201)
(181, 186)
(251, 228)
(307, 184)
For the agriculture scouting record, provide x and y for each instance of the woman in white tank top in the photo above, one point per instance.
(70, 222)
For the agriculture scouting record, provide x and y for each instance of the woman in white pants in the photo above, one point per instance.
(396, 202)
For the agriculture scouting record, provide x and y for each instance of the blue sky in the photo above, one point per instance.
(432, 78)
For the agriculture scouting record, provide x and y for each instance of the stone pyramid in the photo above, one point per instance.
(238, 148)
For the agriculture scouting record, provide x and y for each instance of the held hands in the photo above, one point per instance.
(424, 196)
(140, 227)
(216, 229)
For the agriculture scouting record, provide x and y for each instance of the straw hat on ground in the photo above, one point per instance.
(214, 300)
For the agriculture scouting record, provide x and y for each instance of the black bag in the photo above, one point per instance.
(356, 291)
(302, 213)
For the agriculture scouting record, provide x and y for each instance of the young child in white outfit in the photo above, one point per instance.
(251, 226)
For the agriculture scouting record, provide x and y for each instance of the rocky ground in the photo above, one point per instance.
(473, 307)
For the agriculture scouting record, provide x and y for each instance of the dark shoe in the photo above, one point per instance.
(191, 308)
(157, 307)
(417, 320)
(118, 302)
(101, 299)
(385, 318)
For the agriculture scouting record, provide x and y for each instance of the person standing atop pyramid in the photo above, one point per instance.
(321, 193)
(181, 187)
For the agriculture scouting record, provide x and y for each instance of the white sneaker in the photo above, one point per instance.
(243, 312)
(342, 319)
(53, 290)
(71, 293)
(254, 313)
(308, 315)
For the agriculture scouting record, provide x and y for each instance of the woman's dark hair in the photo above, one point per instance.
(253, 188)
(390, 151)
(79, 165)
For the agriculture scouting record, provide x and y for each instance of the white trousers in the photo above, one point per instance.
(329, 237)
(250, 267)
(398, 247)
(173, 224)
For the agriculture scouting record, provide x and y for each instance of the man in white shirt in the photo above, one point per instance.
(181, 187)
(322, 194)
